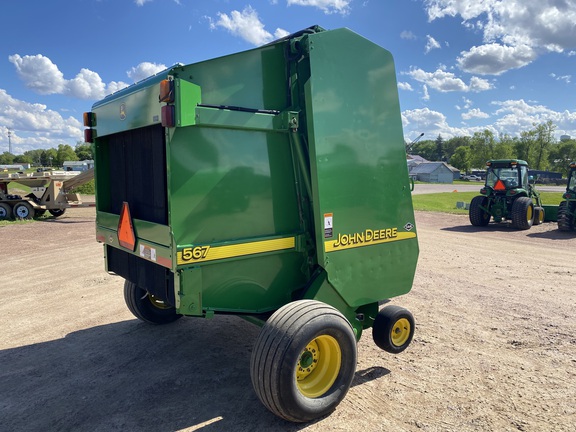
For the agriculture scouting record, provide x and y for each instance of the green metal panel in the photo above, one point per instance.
(134, 107)
(359, 170)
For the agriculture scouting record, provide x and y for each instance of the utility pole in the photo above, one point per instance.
(9, 141)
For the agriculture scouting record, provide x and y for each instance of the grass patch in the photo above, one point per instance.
(445, 202)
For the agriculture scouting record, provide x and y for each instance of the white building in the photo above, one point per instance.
(84, 165)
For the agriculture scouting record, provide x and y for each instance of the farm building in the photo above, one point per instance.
(78, 165)
(432, 172)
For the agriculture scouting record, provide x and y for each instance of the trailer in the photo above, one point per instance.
(269, 184)
(50, 191)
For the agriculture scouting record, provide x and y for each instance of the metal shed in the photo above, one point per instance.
(432, 172)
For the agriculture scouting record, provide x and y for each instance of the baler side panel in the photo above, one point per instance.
(359, 170)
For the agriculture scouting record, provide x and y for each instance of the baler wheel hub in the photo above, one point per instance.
(401, 332)
(318, 366)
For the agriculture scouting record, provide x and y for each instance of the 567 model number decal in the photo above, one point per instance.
(194, 254)
(202, 253)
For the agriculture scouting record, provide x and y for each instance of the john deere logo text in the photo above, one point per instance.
(122, 111)
(366, 238)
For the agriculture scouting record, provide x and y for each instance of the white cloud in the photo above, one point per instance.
(495, 59)
(327, 6)
(426, 95)
(42, 76)
(144, 70)
(247, 25)
(141, 2)
(474, 113)
(432, 123)
(515, 32)
(405, 86)
(431, 44)
(443, 81)
(408, 35)
(565, 78)
(511, 117)
(34, 126)
(39, 73)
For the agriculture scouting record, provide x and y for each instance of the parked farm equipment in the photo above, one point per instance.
(49, 191)
(507, 195)
(567, 208)
(271, 184)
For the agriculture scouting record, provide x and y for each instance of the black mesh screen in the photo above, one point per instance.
(138, 173)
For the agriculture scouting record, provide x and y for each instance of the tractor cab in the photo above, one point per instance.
(507, 176)
(571, 188)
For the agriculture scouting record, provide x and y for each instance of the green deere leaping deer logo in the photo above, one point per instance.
(122, 111)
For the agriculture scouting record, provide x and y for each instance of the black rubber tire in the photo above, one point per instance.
(23, 210)
(565, 219)
(393, 329)
(539, 215)
(57, 212)
(478, 217)
(144, 307)
(522, 213)
(5, 211)
(279, 354)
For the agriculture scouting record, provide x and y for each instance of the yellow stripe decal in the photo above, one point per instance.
(366, 238)
(196, 254)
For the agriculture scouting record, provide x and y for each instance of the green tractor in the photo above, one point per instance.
(507, 195)
(567, 208)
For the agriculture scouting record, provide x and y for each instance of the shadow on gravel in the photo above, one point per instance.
(131, 376)
(554, 235)
(492, 227)
(369, 374)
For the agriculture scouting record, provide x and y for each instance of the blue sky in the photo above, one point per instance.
(463, 65)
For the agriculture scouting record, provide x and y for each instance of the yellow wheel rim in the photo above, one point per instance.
(400, 332)
(529, 213)
(156, 302)
(318, 366)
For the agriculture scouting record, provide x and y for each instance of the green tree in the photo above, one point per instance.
(544, 134)
(561, 155)
(482, 145)
(35, 156)
(83, 151)
(426, 149)
(452, 144)
(439, 143)
(49, 157)
(6, 158)
(65, 153)
(24, 159)
(462, 158)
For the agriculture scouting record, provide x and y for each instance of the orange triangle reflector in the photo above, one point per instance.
(126, 236)
(499, 186)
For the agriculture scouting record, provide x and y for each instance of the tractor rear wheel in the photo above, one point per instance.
(522, 213)
(5, 211)
(23, 210)
(539, 215)
(304, 360)
(477, 215)
(566, 215)
(147, 307)
(393, 329)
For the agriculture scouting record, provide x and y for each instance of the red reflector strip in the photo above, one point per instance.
(168, 116)
(88, 135)
(126, 237)
(500, 186)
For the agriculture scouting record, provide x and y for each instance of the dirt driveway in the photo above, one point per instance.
(494, 350)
